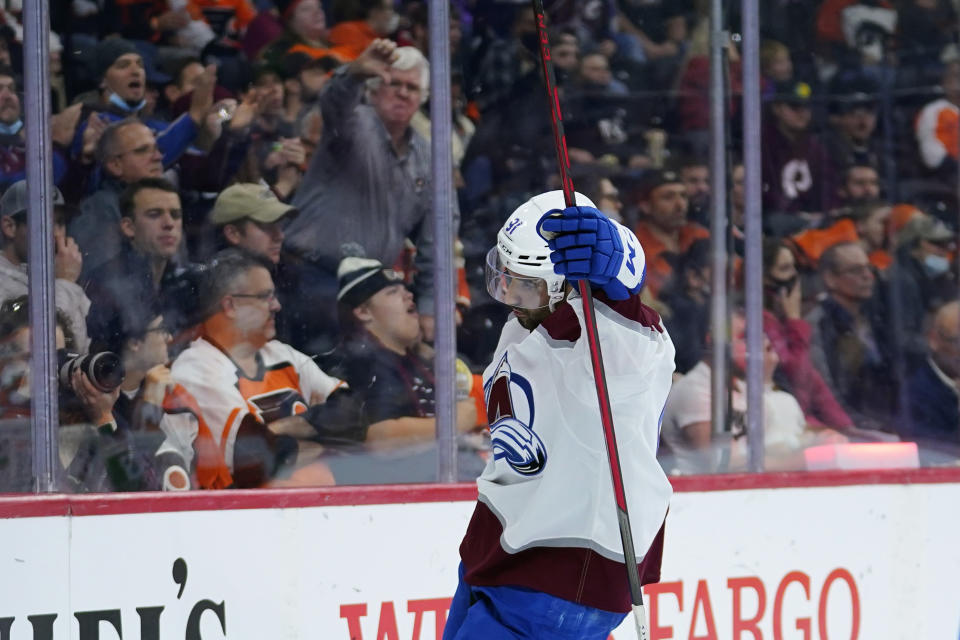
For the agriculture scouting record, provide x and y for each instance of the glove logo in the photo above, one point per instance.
(632, 253)
(509, 399)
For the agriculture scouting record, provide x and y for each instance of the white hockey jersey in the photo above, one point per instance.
(212, 397)
(548, 481)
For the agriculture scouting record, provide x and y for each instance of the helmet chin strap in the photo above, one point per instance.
(558, 297)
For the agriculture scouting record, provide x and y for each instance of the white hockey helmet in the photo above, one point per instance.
(519, 269)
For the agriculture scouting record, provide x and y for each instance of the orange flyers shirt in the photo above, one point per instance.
(219, 396)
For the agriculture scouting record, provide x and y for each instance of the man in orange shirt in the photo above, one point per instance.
(663, 230)
(240, 395)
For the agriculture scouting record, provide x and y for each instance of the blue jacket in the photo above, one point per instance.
(934, 411)
(173, 138)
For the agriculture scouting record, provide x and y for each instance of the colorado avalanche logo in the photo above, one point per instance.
(511, 439)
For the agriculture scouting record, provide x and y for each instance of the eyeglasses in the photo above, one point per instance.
(266, 296)
(142, 150)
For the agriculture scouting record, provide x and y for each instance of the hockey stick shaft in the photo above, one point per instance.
(593, 339)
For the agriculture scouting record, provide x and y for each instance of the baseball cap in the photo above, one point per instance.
(15, 200)
(792, 92)
(655, 178)
(360, 278)
(926, 227)
(248, 201)
(901, 214)
(855, 91)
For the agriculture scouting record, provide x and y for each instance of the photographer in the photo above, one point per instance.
(15, 354)
(136, 422)
(16, 460)
(81, 402)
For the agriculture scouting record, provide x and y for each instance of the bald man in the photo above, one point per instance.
(933, 388)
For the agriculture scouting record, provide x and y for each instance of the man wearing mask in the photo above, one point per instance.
(123, 87)
(13, 148)
(920, 280)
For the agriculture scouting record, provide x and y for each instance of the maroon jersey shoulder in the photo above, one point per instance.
(573, 573)
(562, 324)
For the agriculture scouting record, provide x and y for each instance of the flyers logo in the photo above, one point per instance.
(509, 403)
(278, 404)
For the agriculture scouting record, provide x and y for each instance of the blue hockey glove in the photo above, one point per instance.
(585, 244)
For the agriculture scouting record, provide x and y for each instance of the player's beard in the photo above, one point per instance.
(530, 319)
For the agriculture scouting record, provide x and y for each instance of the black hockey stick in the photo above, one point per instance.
(590, 322)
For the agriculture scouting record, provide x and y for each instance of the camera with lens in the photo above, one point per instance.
(104, 370)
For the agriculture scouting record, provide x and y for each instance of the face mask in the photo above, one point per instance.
(936, 265)
(11, 129)
(785, 285)
(123, 105)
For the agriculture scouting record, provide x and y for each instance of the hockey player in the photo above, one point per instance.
(542, 556)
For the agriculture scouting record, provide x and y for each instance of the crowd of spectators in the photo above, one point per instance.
(243, 214)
